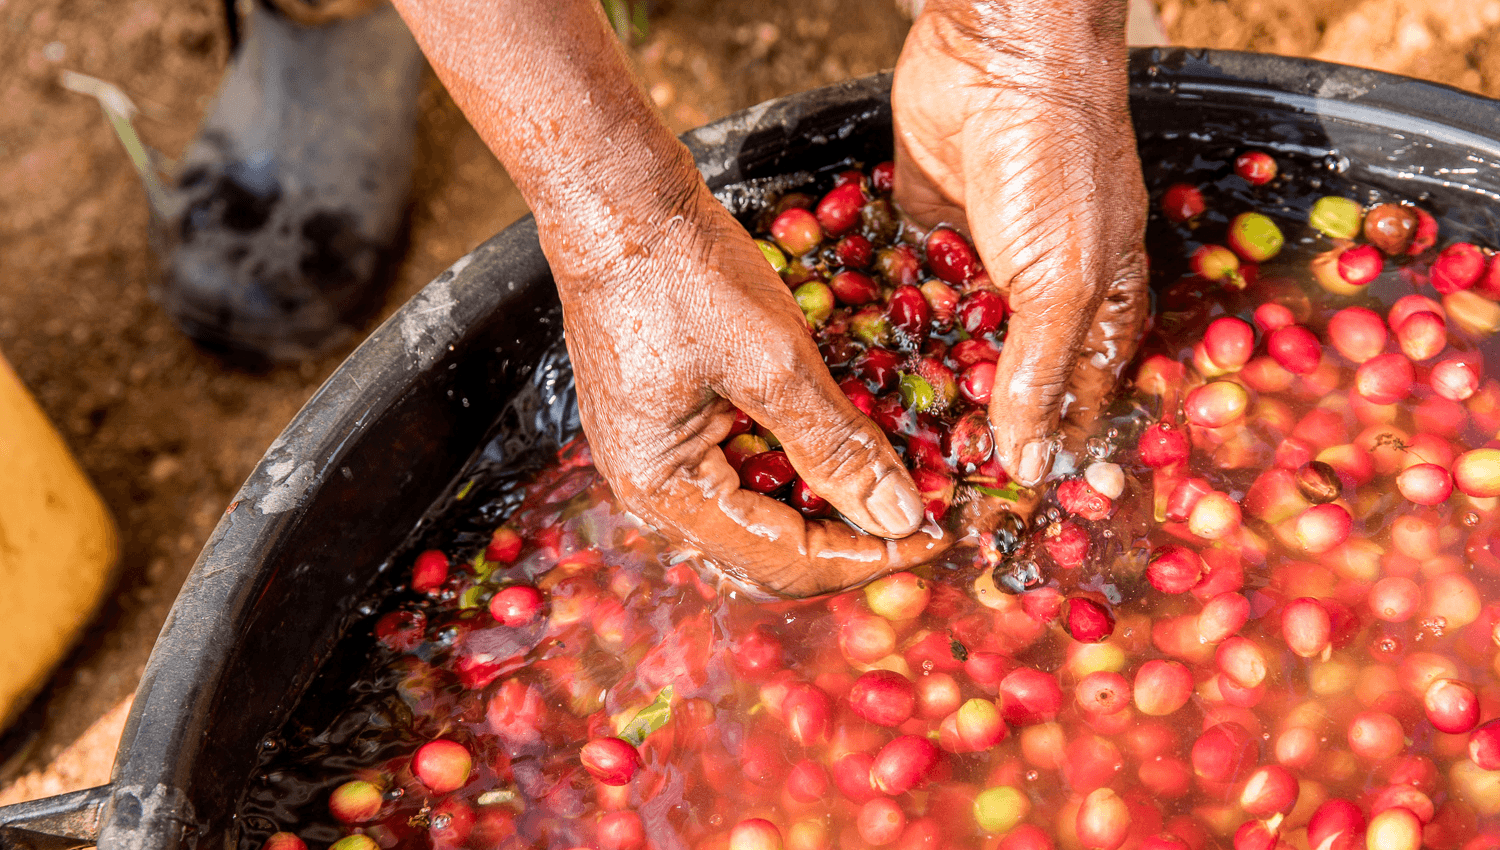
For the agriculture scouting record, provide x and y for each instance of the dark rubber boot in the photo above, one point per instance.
(288, 210)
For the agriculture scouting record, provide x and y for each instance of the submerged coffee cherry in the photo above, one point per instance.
(1076, 496)
(1163, 445)
(355, 802)
(515, 606)
(1181, 202)
(853, 251)
(429, 572)
(1484, 746)
(504, 546)
(1087, 621)
(1458, 267)
(1216, 263)
(1174, 569)
(1318, 482)
(1067, 543)
(1360, 264)
(1256, 167)
(611, 761)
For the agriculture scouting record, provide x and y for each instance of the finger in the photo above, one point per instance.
(692, 494)
(916, 191)
(843, 456)
(1032, 375)
(772, 545)
(1111, 342)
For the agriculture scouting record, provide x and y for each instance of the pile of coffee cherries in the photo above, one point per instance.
(1263, 610)
(909, 323)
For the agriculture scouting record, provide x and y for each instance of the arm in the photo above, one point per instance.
(1012, 120)
(671, 312)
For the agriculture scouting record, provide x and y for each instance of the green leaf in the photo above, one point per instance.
(1009, 492)
(649, 719)
(470, 597)
(480, 566)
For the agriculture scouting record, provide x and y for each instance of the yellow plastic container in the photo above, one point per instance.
(58, 546)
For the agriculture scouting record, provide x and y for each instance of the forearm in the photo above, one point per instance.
(549, 89)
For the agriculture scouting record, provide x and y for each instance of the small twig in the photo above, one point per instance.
(119, 110)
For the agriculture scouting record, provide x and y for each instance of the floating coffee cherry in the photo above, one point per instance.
(1181, 202)
(1337, 218)
(1256, 167)
(1391, 228)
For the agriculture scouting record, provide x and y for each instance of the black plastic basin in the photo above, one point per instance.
(476, 354)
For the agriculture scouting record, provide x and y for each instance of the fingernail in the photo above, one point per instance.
(1035, 457)
(894, 505)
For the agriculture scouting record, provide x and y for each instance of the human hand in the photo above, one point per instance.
(672, 314)
(1012, 124)
(674, 318)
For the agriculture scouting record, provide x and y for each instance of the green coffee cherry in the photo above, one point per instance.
(1255, 237)
(1336, 218)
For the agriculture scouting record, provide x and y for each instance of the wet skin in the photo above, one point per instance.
(672, 314)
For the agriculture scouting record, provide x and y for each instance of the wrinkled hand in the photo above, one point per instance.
(671, 320)
(1016, 129)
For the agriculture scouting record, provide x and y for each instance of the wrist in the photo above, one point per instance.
(621, 200)
(1041, 45)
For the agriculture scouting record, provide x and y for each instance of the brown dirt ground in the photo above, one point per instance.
(168, 434)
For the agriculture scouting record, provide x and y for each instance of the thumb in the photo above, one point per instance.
(1031, 377)
(841, 454)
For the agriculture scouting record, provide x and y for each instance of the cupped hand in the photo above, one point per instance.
(673, 318)
(1016, 129)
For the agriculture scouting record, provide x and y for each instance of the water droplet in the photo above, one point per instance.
(441, 821)
(1032, 776)
(1471, 519)
(393, 794)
